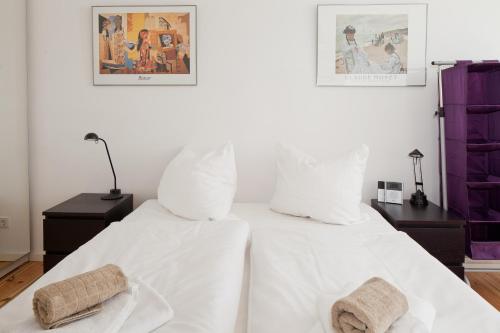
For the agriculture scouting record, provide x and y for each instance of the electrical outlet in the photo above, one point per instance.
(4, 222)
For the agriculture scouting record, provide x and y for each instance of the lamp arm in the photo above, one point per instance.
(415, 173)
(110, 162)
(421, 177)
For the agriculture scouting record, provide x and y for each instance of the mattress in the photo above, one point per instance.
(197, 266)
(294, 260)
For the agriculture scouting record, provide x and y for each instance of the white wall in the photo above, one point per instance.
(256, 86)
(14, 192)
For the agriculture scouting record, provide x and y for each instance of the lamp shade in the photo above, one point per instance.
(91, 137)
(415, 153)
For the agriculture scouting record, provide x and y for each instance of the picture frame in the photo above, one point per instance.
(144, 45)
(372, 45)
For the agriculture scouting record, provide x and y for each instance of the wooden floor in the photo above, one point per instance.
(485, 284)
(18, 280)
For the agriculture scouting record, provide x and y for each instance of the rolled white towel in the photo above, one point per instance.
(140, 309)
(110, 319)
(419, 318)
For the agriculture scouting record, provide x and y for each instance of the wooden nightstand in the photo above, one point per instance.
(74, 222)
(438, 231)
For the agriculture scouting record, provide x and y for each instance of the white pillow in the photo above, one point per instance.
(199, 186)
(328, 191)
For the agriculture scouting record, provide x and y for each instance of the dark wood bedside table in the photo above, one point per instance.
(74, 222)
(438, 231)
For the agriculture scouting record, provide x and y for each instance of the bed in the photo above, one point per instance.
(196, 266)
(294, 260)
(216, 281)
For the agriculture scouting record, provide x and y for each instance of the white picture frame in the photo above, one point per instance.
(166, 34)
(353, 45)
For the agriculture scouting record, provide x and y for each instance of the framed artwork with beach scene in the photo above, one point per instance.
(154, 45)
(372, 45)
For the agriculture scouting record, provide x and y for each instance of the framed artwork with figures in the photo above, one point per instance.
(372, 45)
(153, 45)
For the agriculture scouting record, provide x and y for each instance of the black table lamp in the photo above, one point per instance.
(115, 193)
(418, 198)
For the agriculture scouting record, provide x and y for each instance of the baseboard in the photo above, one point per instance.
(14, 265)
(472, 265)
(36, 256)
(12, 256)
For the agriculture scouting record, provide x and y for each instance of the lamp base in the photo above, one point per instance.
(419, 199)
(114, 194)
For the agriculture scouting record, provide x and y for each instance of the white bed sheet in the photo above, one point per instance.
(293, 260)
(196, 266)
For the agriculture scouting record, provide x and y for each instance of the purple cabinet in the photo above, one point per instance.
(471, 99)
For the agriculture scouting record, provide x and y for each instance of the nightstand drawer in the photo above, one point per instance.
(445, 244)
(64, 236)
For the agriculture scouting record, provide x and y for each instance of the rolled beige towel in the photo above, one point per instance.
(372, 308)
(78, 297)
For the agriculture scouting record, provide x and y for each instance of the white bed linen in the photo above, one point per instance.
(294, 260)
(196, 266)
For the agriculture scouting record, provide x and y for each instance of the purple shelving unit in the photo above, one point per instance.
(471, 100)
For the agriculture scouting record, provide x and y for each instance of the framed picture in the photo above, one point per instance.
(372, 45)
(154, 45)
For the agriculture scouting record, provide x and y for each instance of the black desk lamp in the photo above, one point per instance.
(418, 198)
(115, 193)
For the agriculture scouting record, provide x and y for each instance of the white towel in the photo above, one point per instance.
(419, 318)
(151, 312)
(139, 310)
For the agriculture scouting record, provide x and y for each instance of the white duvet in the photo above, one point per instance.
(196, 266)
(294, 261)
